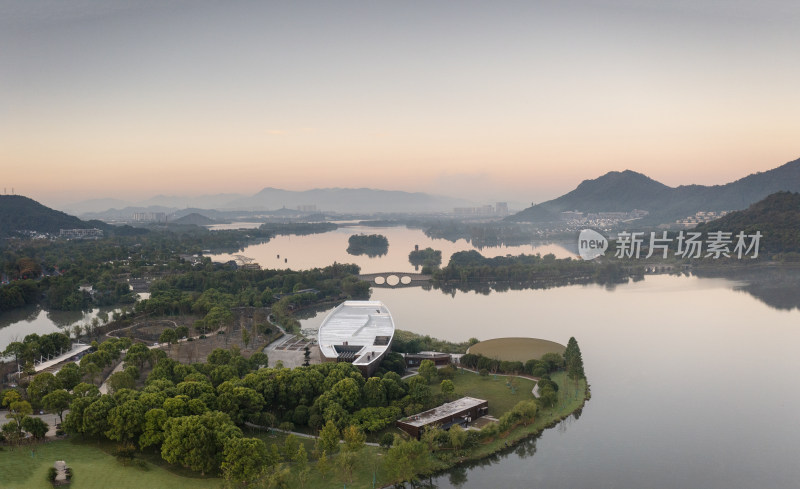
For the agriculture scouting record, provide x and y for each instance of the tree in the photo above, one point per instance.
(427, 369)
(374, 393)
(243, 459)
(41, 385)
(574, 361)
(354, 439)
(324, 465)
(419, 390)
(91, 370)
(300, 459)
(121, 380)
(218, 316)
(138, 354)
(153, 430)
(11, 433)
(95, 416)
(258, 360)
(18, 409)
(346, 463)
(387, 440)
(457, 437)
(405, 460)
(69, 376)
(347, 394)
(245, 337)
(168, 336)
(197, 442)
(126, 421)
(290, 447)
(329, 438)
(448, 388)
(35, 426)
(57, 402)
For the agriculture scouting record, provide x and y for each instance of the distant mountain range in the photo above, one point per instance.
(343, 200)
(628, 190)
(19, 213)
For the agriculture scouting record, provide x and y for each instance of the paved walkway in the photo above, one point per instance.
(535, 390)
(295, 433)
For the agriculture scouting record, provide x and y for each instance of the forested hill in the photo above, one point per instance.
(18, 213)
(777, 217)
(628, 190)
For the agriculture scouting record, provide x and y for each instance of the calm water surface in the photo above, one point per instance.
(17, 324)
(320, 250)
(692, 382)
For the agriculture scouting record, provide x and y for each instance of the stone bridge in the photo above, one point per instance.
(395, 279)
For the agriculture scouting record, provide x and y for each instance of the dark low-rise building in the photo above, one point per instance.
(462, 412)
(439, 359)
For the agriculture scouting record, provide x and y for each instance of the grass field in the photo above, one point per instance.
(516, 349)
(92, 468)
(493, 389)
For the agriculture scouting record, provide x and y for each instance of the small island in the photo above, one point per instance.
(428, 258)
(371, 245)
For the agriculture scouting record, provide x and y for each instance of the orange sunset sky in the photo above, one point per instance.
(500, 100)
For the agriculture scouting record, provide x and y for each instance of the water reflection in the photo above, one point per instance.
(16, 324)
(776, 286)
(320, 250)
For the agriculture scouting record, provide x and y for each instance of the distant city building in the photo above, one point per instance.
(485, 210)
(700, 217)
(93, 233)
(307, 208)
(149, 217)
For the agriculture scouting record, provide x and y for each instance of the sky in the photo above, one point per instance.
(498, 100)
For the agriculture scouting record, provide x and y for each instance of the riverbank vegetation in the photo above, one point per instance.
(78, 274)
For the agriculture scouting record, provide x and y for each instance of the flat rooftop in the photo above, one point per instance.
(433, 415)
(365, 328)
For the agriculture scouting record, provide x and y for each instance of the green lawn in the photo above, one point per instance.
(92, 468)
(493, 389)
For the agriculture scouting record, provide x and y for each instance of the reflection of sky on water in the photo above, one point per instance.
(320, 250)
(17, 324)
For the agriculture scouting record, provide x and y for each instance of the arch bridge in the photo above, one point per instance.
(395, 279)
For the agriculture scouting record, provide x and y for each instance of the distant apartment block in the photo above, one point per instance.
(501, 209)
(307, 208)
(699, 218)
(150, 217)
(93, 233)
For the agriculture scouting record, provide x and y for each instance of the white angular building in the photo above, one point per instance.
(358, 332)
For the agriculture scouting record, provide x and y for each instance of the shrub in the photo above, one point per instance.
(387, 440)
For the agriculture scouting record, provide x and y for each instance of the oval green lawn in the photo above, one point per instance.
(516, 349)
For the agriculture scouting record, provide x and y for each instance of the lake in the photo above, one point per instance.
(692, 379)
(321, 250)
(17, 324)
